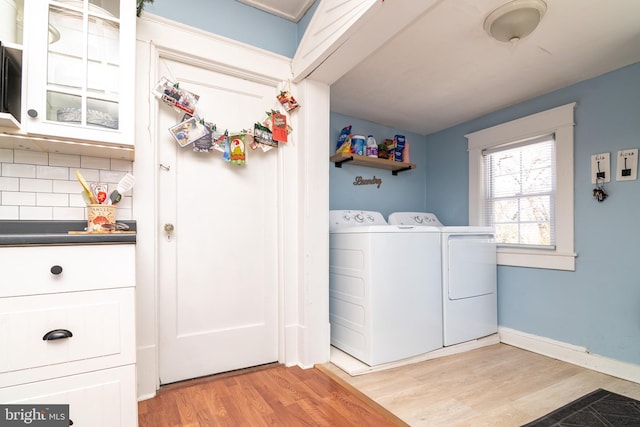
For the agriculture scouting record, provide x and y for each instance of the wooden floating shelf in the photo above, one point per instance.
(372, 162)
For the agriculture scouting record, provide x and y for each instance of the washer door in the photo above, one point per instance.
(471, 266)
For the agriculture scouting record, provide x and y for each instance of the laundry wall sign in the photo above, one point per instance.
(359, 180)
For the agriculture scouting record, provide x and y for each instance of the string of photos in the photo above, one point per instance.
(204, 137)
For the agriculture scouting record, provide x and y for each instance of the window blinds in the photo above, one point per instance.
(520, 192)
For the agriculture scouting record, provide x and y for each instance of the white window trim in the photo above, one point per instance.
(558, 121)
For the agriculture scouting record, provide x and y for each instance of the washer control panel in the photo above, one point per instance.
(349, 218)
(414, 218)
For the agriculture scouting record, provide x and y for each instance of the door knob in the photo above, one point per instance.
(168, 228)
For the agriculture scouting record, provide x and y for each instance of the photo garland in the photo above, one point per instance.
(204, 137)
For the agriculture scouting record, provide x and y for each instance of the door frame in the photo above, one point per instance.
(303, 192)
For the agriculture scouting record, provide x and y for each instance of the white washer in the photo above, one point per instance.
(384, 287)
(469, 277)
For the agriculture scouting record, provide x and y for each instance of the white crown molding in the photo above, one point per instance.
(291, 10)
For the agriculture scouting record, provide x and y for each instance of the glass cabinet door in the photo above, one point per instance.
(80, 72)
(83, 61)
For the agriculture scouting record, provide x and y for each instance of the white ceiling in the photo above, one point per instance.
(443, 69)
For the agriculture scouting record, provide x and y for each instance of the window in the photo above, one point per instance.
(520, 192)
(521, 183)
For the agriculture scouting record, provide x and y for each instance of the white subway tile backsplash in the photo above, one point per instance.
(89, 175)
(31, 212)
(14, 198)
(123, 214)
(30, 184)
(69, 187)
(9, 212)
(51, 199)
(31, 157)
(126, 202)
(76, 200)
(52, 172)
(43, 186)
(94, 163)
(6, 155)
(9, 184)
(68, 214)
(111, 176)
(18, 170)
(121, 165)
(69, 160)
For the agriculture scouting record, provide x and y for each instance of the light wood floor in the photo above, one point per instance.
(494, 386)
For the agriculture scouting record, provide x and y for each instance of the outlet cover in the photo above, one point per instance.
(600, 168)
(627, 165)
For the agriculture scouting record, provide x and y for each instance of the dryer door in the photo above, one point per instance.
(471, 265)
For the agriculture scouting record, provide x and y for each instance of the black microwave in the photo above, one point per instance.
(10, 83)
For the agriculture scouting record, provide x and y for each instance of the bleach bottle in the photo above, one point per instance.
(372, 147)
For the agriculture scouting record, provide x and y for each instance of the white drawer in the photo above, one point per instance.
(28, 270)
(105, 398)
(102, 324)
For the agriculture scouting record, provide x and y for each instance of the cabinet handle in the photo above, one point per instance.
(32, 113)
(57, 334)
(56, 269)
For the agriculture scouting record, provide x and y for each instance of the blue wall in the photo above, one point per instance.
(404, 192)
(598, 305)
(236, 21)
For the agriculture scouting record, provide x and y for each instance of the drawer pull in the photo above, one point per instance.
(56, 269)
(57, 334)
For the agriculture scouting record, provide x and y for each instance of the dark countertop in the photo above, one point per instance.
(38, 233)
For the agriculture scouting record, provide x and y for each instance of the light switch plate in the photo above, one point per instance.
(627, 166)
(600, 168)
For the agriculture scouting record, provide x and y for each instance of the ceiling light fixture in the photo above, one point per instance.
(515, 20)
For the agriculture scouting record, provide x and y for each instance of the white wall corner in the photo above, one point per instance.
(313, 220)
(570, 353)
(145, 212)
(147, 379)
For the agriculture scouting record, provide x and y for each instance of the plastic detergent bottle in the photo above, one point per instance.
(372, 147)
(358, 143)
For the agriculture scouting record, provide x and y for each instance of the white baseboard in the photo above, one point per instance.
(570, 353)
(298, 351)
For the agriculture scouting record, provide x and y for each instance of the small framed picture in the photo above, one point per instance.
(172, 95)
(188, 131)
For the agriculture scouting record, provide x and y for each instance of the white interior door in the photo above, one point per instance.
(217, 274)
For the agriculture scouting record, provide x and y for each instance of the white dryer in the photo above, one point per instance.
(469, 277)
(384, 287)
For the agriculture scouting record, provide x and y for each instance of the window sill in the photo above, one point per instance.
(536, 259)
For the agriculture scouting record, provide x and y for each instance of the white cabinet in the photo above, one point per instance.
(78, 64)
(67, 314)
(95, 398)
